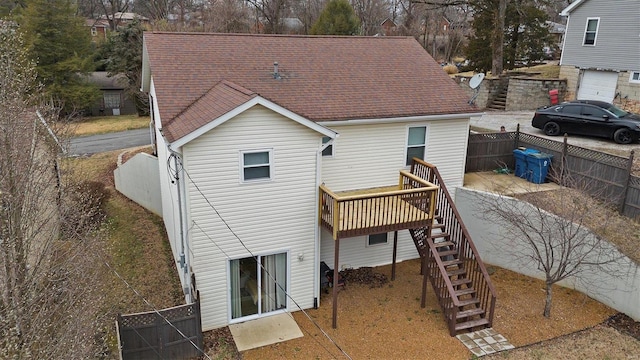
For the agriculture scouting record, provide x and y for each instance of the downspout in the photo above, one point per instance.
(317, 234)
(184, 244)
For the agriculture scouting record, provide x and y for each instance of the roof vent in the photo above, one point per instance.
(276, 74)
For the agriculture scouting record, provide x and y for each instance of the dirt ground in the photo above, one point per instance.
(385, 321)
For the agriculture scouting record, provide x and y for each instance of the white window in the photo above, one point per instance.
(328, 151)
(377, 239)
(591, 31)
(111, 100)
(635, 77)
(256, 165)
(416, 143)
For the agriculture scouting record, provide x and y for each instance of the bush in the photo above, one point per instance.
(83, 207)
(450, 69)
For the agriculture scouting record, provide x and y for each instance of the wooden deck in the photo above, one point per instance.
(410, 204)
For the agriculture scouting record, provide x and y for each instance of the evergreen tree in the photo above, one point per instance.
(525, 34)
(337, 18)
(61, 46)
(123, 55)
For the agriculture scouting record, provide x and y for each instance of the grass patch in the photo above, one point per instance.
(107, 124)
(547, 71)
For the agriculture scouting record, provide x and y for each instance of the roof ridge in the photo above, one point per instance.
(346, 37)
(227, 83)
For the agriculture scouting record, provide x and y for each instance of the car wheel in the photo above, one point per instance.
(551, 128)
(623, 136)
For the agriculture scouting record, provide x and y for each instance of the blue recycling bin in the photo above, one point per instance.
(521, 161)
(538, 167)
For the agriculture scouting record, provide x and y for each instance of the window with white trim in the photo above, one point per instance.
(328, 151)
(635, 77)
(591, 31)
(416, 143)
(377, 239)
(256, 165)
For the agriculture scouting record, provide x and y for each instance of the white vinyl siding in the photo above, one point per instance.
(591, 32)
(617, 43)
(372, 156)
(269, 217)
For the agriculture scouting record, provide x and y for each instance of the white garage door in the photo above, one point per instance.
(598, 85)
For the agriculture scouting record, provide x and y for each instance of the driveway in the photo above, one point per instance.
(88, 145)
(492, 120)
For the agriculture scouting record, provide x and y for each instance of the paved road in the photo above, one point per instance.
(492, 120)
(87, 145)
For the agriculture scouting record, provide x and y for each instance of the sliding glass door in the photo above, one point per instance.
(258, 285)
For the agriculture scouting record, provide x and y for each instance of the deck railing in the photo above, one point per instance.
(467, 252)
(409, 205)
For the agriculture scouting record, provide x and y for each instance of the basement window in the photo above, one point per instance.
(635, 77)
(377, 239)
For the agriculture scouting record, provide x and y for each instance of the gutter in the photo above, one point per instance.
(398, 119)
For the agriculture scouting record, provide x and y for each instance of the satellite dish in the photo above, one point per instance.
(476, 80)
(474, 83)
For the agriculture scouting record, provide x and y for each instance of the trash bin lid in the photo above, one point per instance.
(540, 155)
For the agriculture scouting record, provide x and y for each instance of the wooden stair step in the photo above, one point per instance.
(466, 302)
(440, 235)
(472, 324)
(452, 262)
(466, 291)
(437, 226)
(469, 313)
(458, 282)
(444, 243)
(447, 252)
(455, 272)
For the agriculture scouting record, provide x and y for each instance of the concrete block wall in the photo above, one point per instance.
(139, 180)
(572, 76)
(617, 287)
(526, 93)
(629, 97)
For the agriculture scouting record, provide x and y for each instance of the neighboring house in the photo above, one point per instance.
(114, 100)
(388, 28)
(98, 28)
(121, 19)
(254, 133)
(601, 51)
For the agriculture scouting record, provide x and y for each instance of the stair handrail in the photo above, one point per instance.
(465, 233)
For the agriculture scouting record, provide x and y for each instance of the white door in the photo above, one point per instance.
(598, 85)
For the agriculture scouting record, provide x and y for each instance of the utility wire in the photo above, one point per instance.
(263, 268)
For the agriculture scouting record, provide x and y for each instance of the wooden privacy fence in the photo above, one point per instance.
(173, 333)
(603, 175)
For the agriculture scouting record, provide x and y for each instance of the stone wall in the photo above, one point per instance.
(628, 93)
(527, 93)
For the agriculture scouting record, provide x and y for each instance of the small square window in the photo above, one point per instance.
(591, 31)
(328, 151)
(256, 165)
(635, 77)
(377, 239)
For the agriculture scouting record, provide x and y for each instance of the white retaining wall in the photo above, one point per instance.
(138, 179)
(618, 288)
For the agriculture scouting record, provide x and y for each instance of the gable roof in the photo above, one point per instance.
(199, 76)
(571, 6)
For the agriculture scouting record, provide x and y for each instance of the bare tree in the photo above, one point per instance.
(371, 14)
(47, 259)
(226, 16)
(113, 10)
(555, 232)
(270, 14)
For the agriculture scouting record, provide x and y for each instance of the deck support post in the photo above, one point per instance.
(423, 301)
(336, 273)
(395, 255)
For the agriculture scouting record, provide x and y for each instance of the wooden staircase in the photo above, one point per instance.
(451, 262)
